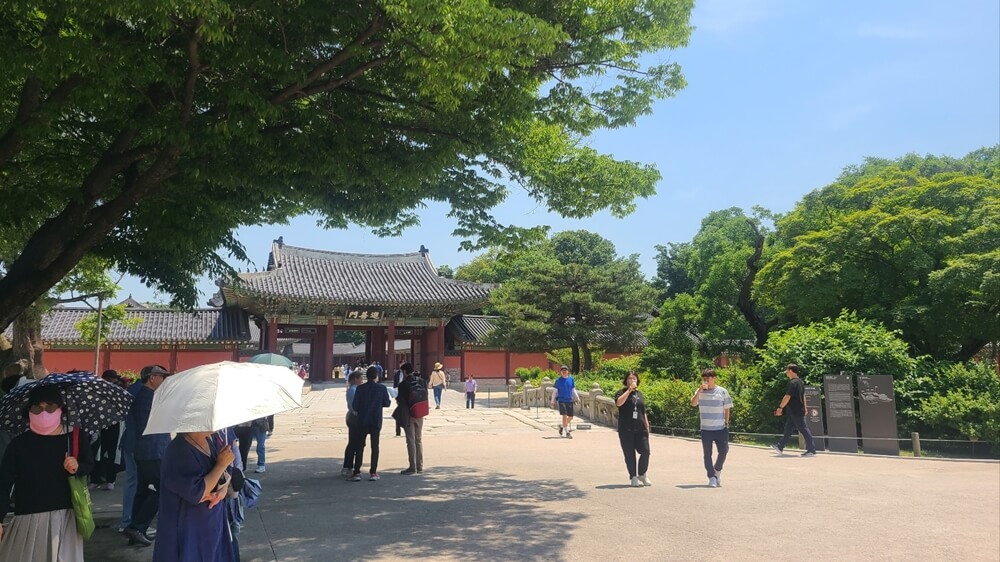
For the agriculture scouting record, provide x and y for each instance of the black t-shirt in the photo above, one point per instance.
(35, 464)
(796, 390)
(634, 403)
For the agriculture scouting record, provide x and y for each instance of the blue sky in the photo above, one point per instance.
(781, 96)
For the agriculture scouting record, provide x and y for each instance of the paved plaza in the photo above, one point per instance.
(500, 484)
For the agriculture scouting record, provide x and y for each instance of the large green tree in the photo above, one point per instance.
(572, 292)
(145, 132)
(912, 243)
(710, 306)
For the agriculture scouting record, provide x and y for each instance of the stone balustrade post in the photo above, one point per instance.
(546, 390)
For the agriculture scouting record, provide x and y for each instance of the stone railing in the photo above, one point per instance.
(594, 406)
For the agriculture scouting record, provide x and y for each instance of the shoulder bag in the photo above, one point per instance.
(80, 495)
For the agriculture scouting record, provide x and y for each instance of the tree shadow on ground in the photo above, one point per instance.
(309, 512)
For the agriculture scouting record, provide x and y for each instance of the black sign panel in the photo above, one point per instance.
(877, 405)
(814, 417)
(842, 427)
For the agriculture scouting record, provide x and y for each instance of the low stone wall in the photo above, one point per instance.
(594, 406)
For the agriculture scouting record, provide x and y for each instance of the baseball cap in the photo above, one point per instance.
(563, 367)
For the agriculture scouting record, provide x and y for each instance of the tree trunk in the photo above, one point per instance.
(970, 348)
(575, 367)
(27, 343)
(588, 360)
(745, 301)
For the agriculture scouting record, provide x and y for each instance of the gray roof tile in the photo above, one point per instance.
(157, 326)
(363, 279)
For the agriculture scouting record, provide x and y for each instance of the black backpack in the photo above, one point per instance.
(418, 398)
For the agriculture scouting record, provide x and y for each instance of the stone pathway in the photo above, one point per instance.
(501, 485)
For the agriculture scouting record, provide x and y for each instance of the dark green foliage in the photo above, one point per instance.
(146, 132)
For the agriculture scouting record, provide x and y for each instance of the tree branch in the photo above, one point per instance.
(334, 84)
(30, 112)
(193, 72)
(297, 90)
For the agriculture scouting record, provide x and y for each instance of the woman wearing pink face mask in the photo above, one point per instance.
(39, 464)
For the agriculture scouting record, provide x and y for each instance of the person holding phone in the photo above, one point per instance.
(714, 406)
(633, 430)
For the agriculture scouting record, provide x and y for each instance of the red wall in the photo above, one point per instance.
(62, 361)
(485, 364)
(522, 360)
(188, 359)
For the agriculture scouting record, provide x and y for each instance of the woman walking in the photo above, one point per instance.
(38, 463)
(439, 382)
(633, 430)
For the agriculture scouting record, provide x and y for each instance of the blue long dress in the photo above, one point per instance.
(188, 531)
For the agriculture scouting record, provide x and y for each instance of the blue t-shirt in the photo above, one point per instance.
(564, 388)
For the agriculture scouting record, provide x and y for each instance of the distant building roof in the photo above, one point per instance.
(371, 280)
(229, 325)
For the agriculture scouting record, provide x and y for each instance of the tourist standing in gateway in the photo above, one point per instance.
(564, 391)
(714, 406)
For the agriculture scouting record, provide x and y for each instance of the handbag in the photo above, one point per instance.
(80, 495)
(352, 417)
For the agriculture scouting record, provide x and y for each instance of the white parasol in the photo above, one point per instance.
(219, 395)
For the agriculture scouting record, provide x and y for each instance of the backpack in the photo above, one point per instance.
(418, 399)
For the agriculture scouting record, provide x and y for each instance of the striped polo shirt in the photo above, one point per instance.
(712, 404)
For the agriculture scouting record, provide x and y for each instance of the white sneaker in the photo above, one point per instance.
(260, 469)
(713, 482)
(645, 480)
(635, 482)
(718, 478)
(777, 449)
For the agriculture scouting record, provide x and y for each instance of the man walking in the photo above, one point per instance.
(793, 405)
(564, 392)
(369, 399)
(127, 445)
(470, 391)
(149, 451)
(714, 406)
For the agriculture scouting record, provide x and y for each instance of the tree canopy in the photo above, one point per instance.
(145, 132)
(710, 307)
(572, 292)
(913, 243)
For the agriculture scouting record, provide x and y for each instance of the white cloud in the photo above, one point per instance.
(891, 31)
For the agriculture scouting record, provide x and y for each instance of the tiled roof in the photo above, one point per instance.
(157, 326)
(360, 279)
(473, 329)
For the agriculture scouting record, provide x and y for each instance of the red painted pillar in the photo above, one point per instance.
(440, 343)
(272, 336)
(378, 346)
(390, 362)
(328, 352)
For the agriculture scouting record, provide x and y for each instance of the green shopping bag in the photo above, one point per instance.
(80, 495)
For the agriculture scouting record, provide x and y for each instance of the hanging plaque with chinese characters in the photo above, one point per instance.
(359, 314)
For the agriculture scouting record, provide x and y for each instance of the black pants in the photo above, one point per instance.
(147, 502)
(633, 443)
(367, 431)
(106, 471)
(797, 421)
(470, 399)
(720, 437)
(355, 449)
(245, 436)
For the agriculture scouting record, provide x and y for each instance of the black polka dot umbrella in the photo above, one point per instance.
(91, 402)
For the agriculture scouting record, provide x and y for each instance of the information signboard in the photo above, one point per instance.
(842, 428)
(877, 405)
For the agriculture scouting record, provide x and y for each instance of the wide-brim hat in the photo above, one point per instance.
(437, 366)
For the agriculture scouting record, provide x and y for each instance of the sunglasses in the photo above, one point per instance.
(48, 408)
